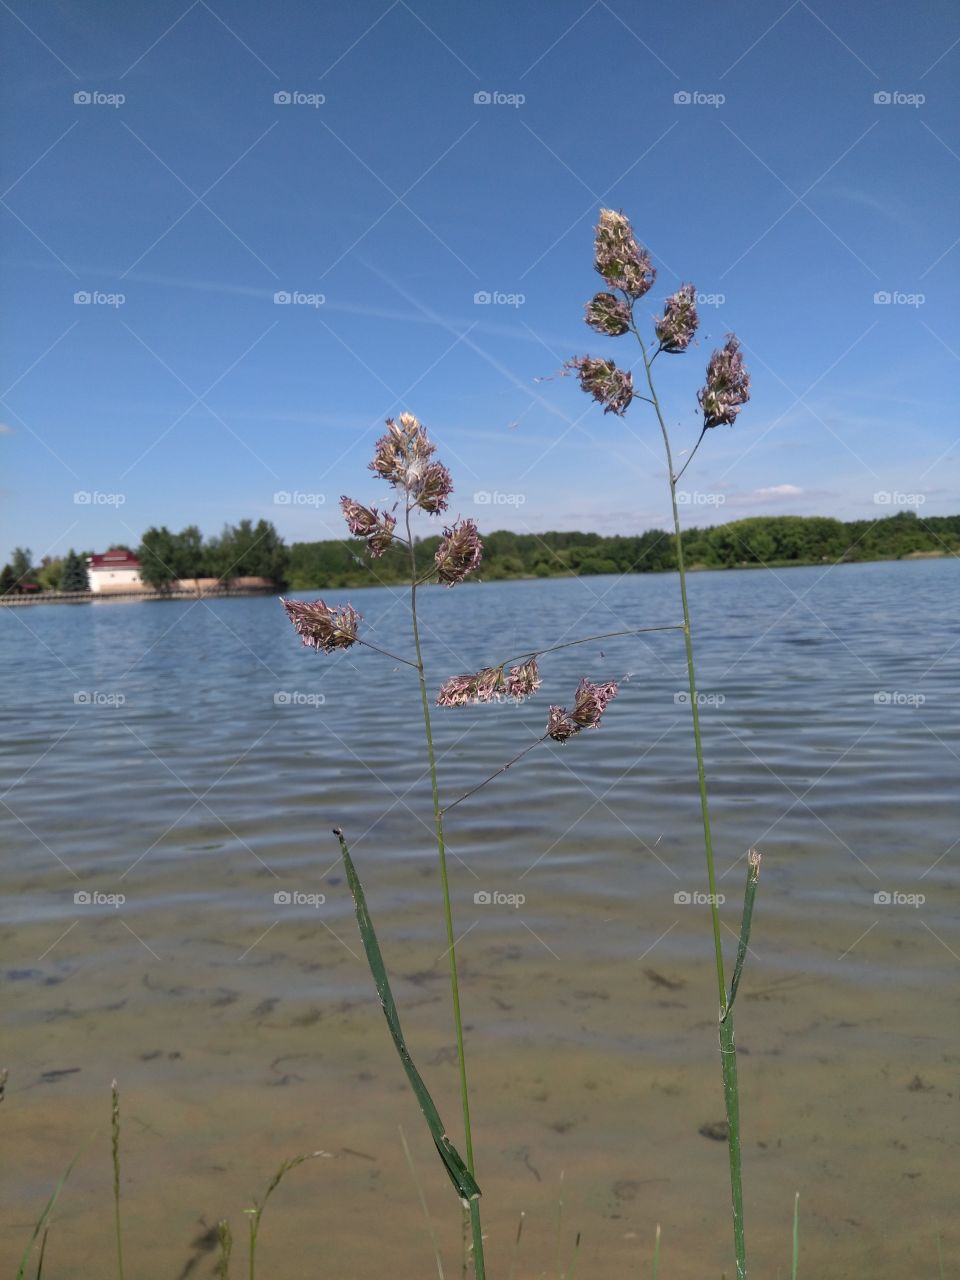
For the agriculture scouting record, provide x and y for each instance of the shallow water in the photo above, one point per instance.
(147, 754)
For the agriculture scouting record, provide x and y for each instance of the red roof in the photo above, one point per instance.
(114, 560)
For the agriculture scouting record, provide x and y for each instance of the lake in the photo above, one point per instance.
(192, 758)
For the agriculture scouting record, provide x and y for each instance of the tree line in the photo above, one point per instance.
(257, 550)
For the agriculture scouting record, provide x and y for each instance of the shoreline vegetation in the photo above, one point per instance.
(760, 542)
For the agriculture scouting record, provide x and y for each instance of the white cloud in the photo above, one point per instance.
(777, 491)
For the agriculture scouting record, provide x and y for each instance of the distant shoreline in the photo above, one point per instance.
(234, 593)
(98, 597)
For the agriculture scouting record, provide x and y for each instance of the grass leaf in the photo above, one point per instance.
(460, 1175)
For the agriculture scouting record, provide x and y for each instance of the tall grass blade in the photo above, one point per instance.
(749, 895)
(42, 1221)
(796, 1236)
(460, 1175)
(656, 1253)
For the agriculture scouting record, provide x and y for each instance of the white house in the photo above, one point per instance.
(114, 571)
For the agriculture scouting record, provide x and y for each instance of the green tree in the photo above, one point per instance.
(74, 576)
(21, 562)
(157, 554)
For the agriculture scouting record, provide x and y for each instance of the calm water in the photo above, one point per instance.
(193, 758)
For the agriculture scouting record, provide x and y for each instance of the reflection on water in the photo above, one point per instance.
(190, 758)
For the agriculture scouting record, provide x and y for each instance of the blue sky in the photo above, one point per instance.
(782, 189)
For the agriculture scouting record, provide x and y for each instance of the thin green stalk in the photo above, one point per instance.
(423, 1203)
(474, 1207)
(115, 1150)
(728, 1053)
(256, 1213)
(796, 1239)
(225, 1242)
(656, 1253)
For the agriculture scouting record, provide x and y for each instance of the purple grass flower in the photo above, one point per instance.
(459, 553)
(322, 627)
(461, 691)
(367, 522)
(432, 488)
(678, 324)
(608, 314)
(402, 457)
(590, 702)
(728, 385)
(601, 379)
(559, 726)
(524, 681)
(622, 262)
